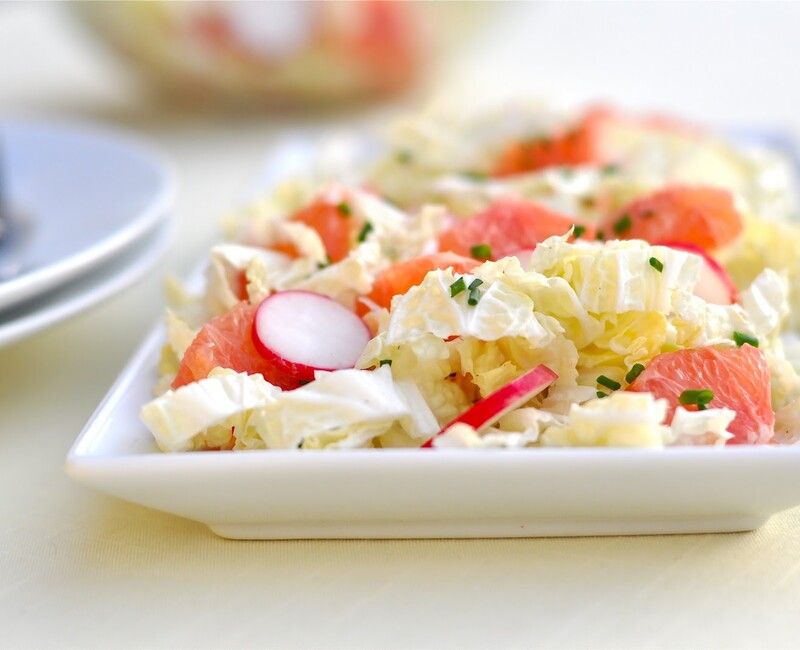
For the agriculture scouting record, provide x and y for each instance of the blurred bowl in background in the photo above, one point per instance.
(266, 53)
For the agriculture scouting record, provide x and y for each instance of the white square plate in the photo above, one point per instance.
(442, 493)
(413, 493)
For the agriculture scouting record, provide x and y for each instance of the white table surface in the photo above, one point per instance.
(78, 569)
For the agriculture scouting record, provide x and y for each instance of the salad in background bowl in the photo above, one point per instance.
(261, 53)
(511, 279)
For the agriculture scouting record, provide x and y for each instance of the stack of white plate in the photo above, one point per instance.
(85, 213)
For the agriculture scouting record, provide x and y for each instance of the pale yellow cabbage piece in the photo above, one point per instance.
(709, 427)
(180, 419)
(620, 420)
(617, 277)
(344, 408)
(767, 243)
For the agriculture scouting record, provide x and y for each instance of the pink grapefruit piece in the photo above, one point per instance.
(738, 377)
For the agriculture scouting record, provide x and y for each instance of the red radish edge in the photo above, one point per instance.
(732, 294)
(506, 398)
(286, 335)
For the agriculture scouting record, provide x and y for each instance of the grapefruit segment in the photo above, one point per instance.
(335, 224)
(580, 145)
(224, 342)
(400, 277)
(506, 227)
(738, 378)
(698, 215)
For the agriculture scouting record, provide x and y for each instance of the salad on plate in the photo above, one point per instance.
(514, 278)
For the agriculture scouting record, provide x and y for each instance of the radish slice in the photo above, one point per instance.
(715, 285)
(302, 331)
(524, 256)
(514, 394)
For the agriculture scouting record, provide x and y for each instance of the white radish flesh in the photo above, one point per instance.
(302, 331)
(514, 394)
(524, 256)
(714, 284)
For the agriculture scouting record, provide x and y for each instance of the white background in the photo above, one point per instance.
(79, 569)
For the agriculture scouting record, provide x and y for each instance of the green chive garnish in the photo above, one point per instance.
(474, 293)
(600, 236)
(365, 230)
(608, 382)
(457, 287)
(636, 370)
(623, 224)
(609, 169)
(403, 156)
(328, 261)
(344, 209)
(481, 251)
(657, 264)
(474, 176)
(600, 394)
(385, 362)
(578, 230)
(699, 398)
(741, 338)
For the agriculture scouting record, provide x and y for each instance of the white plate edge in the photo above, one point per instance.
(68, 268)
(124, 278)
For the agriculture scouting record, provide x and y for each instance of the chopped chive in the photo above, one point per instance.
(600, 236)
(344, 209)
(457, 287)
(474, 176)
(328, 261)
(600, 394)
(365, 231)
(700, 398)
(578, 230)
(636, 370)
(608, 382)
(741, 338)
(385, 362)
(481, 251)
(403, 156)
(300, 443)
(657, 264)
(623, 224)
(474, 296)
(474, 293)
(609, 169)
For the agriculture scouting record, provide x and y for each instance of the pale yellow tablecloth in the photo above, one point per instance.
(78, 569)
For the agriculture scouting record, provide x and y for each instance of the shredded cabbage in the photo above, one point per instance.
(178, 416)
(345, 408)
